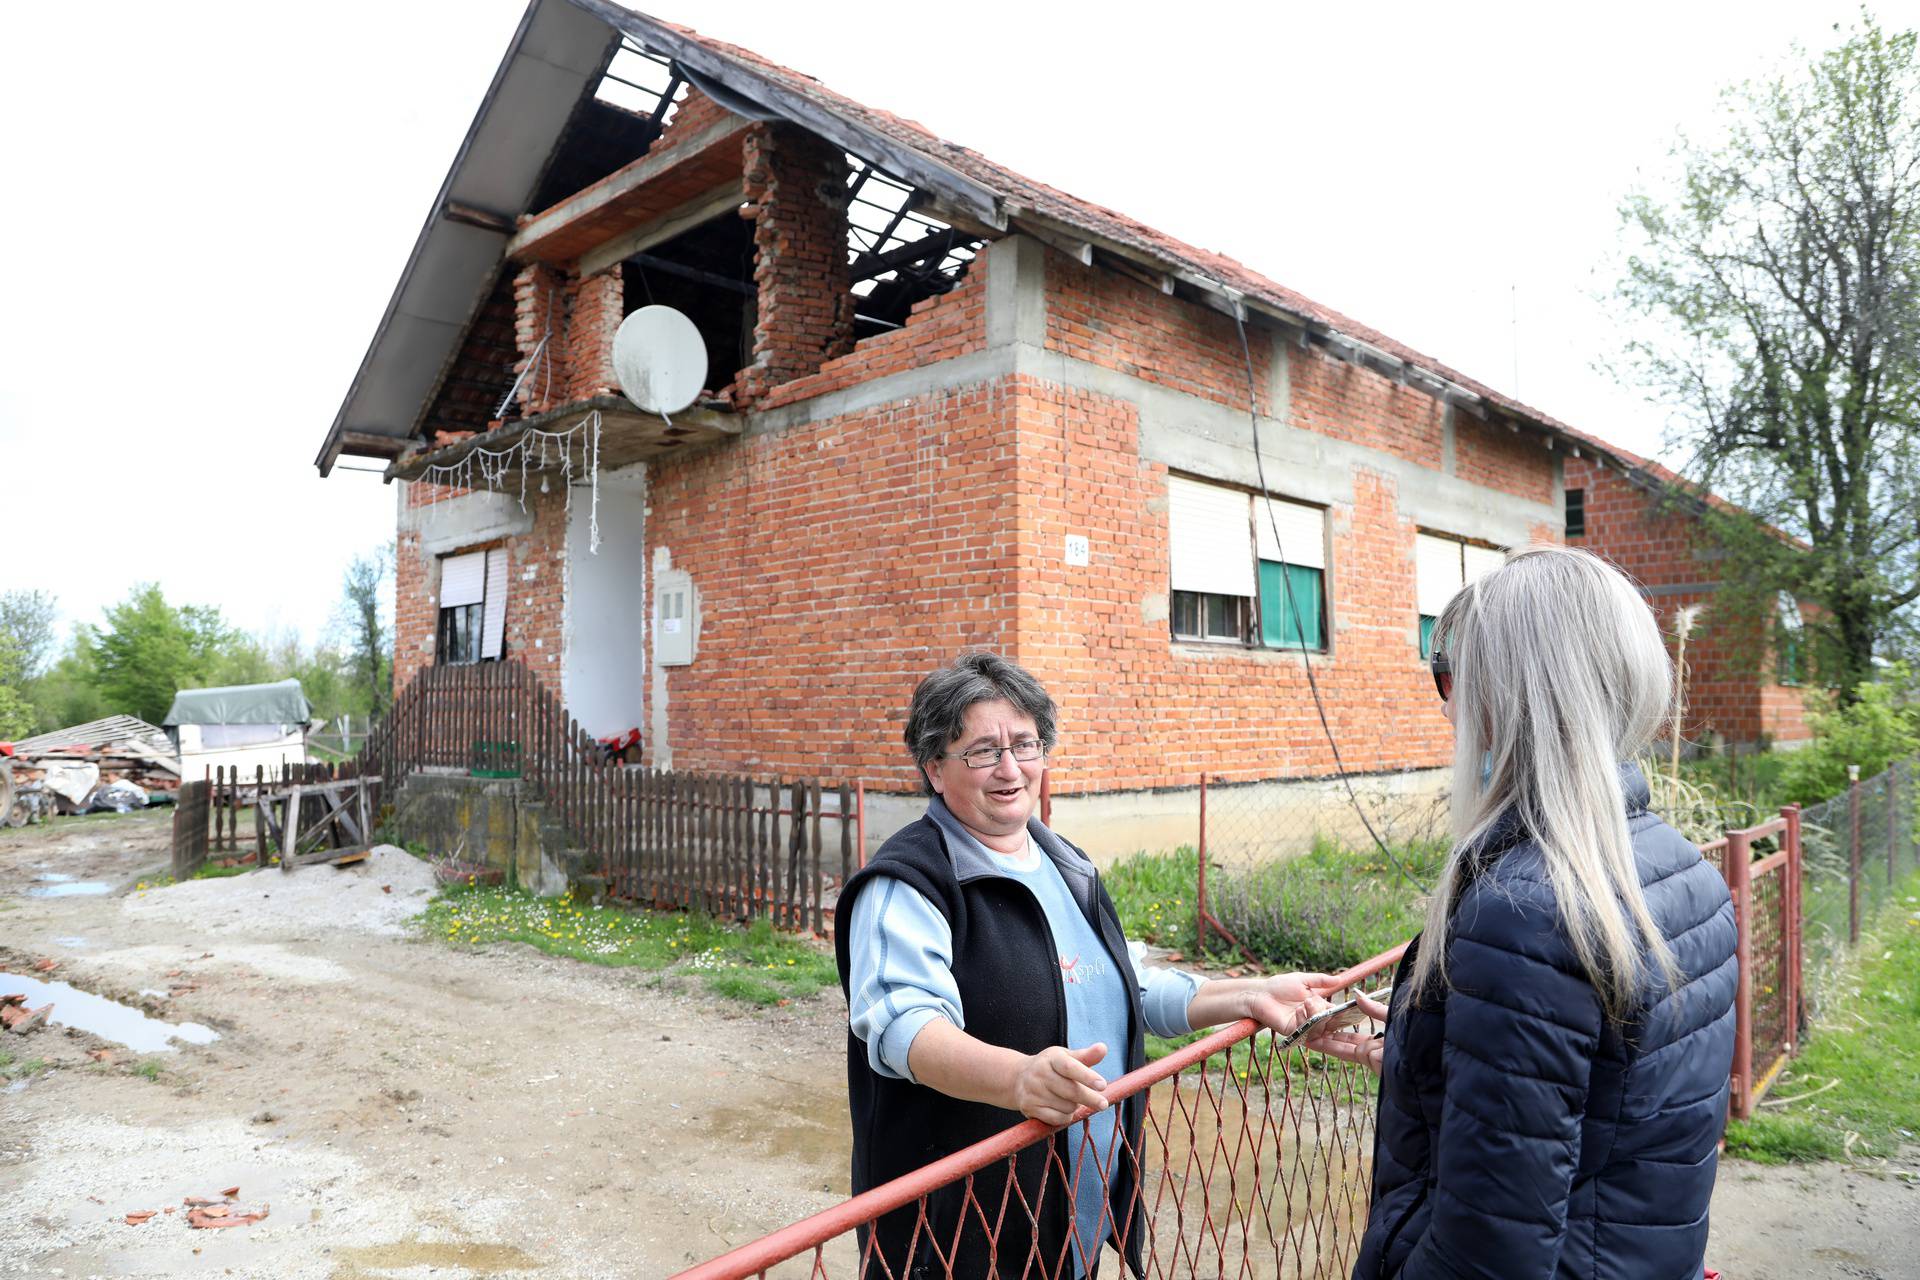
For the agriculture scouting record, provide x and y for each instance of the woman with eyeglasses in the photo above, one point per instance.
(1554, 1073)
(987, 979)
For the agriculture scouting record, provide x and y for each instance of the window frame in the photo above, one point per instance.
(1190, 619)
(460, 630)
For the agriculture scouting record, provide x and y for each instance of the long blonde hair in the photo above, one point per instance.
(1559, 675)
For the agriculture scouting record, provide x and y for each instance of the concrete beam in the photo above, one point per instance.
(638, 193)
(725, 199)
(1016, 292)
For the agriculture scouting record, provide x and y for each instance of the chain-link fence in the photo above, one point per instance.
(1252, 1162)
(1857, 846)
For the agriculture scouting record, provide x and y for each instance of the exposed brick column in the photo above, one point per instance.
(540, 304)
(796, 195)
(599, 305)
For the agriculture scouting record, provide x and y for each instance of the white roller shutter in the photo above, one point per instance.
(1437, 572)
(493, 619)
(1303, 534)
(463, 580)
(1482, 561)
(1208, 527)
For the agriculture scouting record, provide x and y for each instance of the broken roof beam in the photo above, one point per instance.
(644, 191)
(935, 244)
(980, 203)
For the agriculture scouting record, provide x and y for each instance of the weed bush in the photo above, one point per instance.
(1327, 909)
(1881, 726)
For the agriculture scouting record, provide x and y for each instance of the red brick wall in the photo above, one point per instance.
(1495, 456)
(1340, 399)
(541, 303)
(939, 328)
(1731, 686)
(835, 564)
(1116, 322)
(1138, 709)
(796, 194)
(536, 585)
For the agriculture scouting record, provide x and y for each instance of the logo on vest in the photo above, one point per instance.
(1077, 970)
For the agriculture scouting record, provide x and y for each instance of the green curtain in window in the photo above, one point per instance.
(1426, 634)
(1278, 626)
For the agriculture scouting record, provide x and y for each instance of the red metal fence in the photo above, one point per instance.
(1766, 908)
(1254, 1163)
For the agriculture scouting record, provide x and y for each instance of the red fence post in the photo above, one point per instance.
(1739, 872)
(1792, 922)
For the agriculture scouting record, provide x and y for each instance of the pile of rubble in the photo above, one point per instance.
(118, 763)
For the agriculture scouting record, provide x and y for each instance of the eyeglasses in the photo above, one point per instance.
(1026, 751)
(1442, 669)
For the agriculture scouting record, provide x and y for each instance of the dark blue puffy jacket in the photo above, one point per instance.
(1522, 1132)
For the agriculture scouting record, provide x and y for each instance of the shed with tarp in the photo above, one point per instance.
(240, 726)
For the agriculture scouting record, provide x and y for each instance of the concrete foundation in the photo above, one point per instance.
(1245, 820)
(493, 822)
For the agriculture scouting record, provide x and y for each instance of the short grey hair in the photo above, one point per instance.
(940, 701)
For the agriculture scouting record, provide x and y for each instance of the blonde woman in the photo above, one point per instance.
(1554, 1070)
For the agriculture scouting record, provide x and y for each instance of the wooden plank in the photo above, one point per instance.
(290, 847)
(813, 876)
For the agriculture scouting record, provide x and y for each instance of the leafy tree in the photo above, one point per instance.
(26, 620)
(1782, 272)
(362, 619)
(150, 649)
(16, 713)
(1881, 725)
(69, 692)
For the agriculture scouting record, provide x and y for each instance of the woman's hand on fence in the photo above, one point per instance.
(1056, 1082)
(1286, 1000)
(1365, 1048)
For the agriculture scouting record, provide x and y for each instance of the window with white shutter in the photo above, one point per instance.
(1442, 566)
(1245, 569)
(473, 606)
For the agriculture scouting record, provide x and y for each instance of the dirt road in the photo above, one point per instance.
(408, 1109)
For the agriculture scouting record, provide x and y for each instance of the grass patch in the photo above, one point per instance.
(214, 871)
(13, 1067)
(1859, 1073)
(1326, 909)
(756, 964)
(1782, 1140)
(147, 1069)
(1757, 779)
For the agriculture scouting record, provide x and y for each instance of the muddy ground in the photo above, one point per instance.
(407, 1109)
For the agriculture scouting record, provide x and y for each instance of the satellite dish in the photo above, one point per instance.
(660, 359)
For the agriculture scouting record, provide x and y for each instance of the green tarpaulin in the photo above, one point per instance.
(278, 703)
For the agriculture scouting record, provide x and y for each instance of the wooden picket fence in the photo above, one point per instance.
(729, 844)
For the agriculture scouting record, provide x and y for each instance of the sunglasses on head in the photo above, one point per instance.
(1442, 670)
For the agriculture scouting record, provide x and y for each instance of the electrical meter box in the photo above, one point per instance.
(674, 618)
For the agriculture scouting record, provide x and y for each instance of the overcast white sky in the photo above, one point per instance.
(206, 207)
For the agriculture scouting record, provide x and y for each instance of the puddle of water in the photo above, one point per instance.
(72, 943)
(52, 884)
(108, 1019)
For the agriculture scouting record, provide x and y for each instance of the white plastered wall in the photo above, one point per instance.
(603, 676)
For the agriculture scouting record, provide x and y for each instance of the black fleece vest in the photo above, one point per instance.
(1009, 978)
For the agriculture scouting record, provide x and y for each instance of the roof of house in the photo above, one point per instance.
(558, 51)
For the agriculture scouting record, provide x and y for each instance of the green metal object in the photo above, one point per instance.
(495, 759)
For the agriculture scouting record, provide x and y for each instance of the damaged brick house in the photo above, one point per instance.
(946, 406)
(1745, 676)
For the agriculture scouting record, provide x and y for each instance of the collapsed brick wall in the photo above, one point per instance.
(1732, 687)
(796, 188)
(941, 327)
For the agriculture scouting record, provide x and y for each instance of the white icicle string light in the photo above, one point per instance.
(496, 467)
